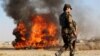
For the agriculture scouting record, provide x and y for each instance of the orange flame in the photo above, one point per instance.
(43, 34)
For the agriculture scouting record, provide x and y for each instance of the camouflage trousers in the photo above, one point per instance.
(69, 42)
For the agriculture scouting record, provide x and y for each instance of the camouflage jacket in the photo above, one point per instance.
(67, 22)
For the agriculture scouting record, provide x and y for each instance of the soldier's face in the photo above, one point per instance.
(68, 10)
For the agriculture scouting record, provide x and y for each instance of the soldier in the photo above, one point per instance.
(68, 31)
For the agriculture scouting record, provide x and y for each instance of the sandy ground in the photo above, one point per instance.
(46, 53)
(87, 49)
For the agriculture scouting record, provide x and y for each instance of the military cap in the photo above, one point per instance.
(67, 6)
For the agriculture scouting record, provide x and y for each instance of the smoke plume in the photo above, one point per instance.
(22, 10)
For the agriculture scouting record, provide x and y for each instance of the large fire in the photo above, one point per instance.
(42, 34)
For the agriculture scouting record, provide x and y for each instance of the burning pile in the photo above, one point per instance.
(42, 34)
(36, 20)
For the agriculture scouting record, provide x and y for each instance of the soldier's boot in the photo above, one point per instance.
(59, 52)
(72, 50)
(71, 53)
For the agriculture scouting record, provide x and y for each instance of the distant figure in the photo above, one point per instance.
(68, 31)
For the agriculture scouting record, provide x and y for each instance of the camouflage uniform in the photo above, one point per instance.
(68, 28)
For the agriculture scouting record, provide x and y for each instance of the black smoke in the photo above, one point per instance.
(22, 9)
(17, 9)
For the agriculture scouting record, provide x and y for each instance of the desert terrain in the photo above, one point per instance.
(83, 49)
(46, 53)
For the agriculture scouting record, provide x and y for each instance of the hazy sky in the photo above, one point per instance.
(7, 25)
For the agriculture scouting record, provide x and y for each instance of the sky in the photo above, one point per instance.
(7, 24)
(87, 15)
